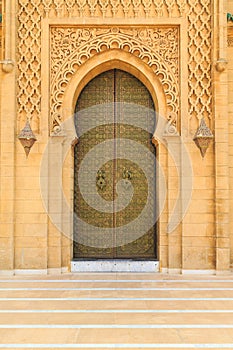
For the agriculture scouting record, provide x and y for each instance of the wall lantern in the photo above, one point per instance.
(203, 137)
(229, 17)
(27, 138)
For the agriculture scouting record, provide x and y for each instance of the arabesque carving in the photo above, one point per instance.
(114, 8)
(72, 46)
(199, 64)
(29, 31)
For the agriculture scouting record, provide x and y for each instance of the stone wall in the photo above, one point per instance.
(177, 49)
(230, 120)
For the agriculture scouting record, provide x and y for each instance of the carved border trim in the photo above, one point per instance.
(115, 8)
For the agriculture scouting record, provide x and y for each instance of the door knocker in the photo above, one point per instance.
(127, 176)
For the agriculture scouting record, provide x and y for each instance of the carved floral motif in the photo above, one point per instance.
(72, 46)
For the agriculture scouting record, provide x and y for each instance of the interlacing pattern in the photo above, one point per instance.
(151, 45)
(29, 61)
(72, 46)
(199, 65)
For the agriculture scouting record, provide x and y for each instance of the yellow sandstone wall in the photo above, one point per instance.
(230, 120)
(7, 129)
(203, 237)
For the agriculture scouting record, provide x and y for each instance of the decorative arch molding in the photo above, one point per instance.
(79, 53)
(93, 67)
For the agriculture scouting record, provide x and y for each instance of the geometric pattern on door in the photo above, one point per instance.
(114, 170)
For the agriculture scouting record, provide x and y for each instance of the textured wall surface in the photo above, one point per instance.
(178, 50)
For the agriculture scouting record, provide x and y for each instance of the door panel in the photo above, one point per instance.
(114, 110)
(94, 104)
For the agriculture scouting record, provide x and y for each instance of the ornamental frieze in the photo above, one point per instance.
(197, 13)
(114, 8)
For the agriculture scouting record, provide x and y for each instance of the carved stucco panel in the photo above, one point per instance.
(30, 18)
(71, 46)
(199, 62)
(29, 62)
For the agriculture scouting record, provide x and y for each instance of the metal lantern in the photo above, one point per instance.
(203, 137)
(27, 138)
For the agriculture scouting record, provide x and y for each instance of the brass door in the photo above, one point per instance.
(114, 169)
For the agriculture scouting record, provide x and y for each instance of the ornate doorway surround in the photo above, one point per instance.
(155, 47)
(62, 45)
(80, 53)
(114, 217)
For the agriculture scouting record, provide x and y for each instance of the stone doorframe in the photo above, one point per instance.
(59, 193)
(60, 156)
(113, 59)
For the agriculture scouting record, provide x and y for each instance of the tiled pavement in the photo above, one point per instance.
(116, 311)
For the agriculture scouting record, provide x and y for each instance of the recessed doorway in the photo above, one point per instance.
(115, 170)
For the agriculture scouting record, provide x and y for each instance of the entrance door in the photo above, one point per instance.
(114, 170)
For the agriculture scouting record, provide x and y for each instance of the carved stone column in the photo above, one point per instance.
(60, 197)
(67, 199)
(174, 188)
(55, 203)
(7, 62)
(221, 143)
